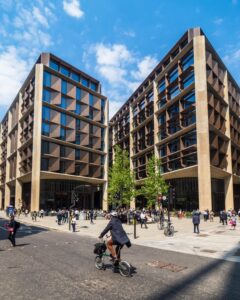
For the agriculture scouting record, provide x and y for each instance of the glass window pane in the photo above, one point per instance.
(63, 119)
(85, 82)
(46, 113)
(64, 71)
(188, 80)
(46, 96)
(54, 65)
(93, 86)
(91, 100)
(78, 93)
(64, 87)
(45, 129)
(47, 79)
(75, 76)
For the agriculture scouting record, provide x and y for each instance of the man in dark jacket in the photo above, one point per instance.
(196, 221)
(119, 236)
(12, 229)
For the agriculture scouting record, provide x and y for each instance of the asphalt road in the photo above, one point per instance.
(56, 265)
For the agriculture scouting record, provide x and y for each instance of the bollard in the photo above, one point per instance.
(135, 226)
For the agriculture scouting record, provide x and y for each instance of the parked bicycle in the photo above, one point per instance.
(123, 267)
(169, 229)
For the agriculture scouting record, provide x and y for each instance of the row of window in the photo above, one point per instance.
(73, 75)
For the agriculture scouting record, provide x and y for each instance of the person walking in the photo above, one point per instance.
(196, 221)
(143, 218)
(211, 216)
(224, 217)
(12, 228)
(233, 221)
(34, 216)
(73, 223)
(41, 213)
(91, 215)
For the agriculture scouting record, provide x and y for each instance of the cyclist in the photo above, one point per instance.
(118, 238)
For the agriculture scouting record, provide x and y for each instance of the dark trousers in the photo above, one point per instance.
(196, 228)
(74, 227)
(143, 221)
(91, 219)
(224, 221)
(12, 238)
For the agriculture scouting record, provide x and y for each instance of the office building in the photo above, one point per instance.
(54, 140)
(186, 112)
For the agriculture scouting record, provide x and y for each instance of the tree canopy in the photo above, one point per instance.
(121, 188)
(154, 185)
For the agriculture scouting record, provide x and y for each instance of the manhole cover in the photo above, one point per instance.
(167, 266)
(202, 235)
(208, 251)
(237, 253)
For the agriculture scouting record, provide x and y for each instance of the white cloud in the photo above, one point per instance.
(218, 21)
(144, 67)
(114, 106)
(72, 8)
(112, 74)
(40, 17)
(11, 64)
(114, 55)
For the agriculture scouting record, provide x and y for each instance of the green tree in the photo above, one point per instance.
(154, 184)
(121, 188)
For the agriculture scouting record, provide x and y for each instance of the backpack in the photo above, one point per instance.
(17, 224)
(99, 248)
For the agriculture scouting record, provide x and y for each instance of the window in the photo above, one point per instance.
(64, 87)
(187, 60)
(75, 76)
(54, 65)
(163, 151)
(78, 124)
(64, 71)
(93, 86)
(162, 119)
(188, 100)
(77, 154)
(173, 111)
(189, 139)
(46, 113)
(150, 96)
(162, 102)
(174, 92)
(173, 74)
(62, 166)
(85, 82)
(45, 147)
(46, 96)
(188, 80)
(162, 86)
(45, 128)
(47, 79)
(141, 104)
(63, 102)
(135, 111)
(78, 138)
(44, 164)
(102, 104)
(62, 151)
(78, 93)
(91, 100)
(63, 133)
(78, 108)
(63, 119)
(174, 146)
(189, 119)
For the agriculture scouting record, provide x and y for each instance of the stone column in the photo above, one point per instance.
(36, 154)
(132, 202)
(228, 181)
(7, 188)
(106, 161)
(203, 152)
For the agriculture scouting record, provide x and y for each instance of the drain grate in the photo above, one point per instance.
(219, 232)
(237, 253)
(202, 235)
(208, 251)
(167, 266)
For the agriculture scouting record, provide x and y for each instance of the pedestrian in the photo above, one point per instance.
(59, 217)
(26, 212)
(211, 216)
(41, 213)
(196, 221)
(73, 222)
(239, 214)
(12, 228)
(34, 216)
(205, 215)
(91, 215)
(143, 218)
(233, 221)
(224, 217)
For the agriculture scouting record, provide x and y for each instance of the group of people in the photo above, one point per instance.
(229, 217)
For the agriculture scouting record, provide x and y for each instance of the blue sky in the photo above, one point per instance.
(116, 41)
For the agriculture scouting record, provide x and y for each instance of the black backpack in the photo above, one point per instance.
(99, 248)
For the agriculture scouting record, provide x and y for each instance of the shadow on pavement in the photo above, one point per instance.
(228, 289)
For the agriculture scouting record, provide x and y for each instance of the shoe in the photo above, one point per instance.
(116, 262)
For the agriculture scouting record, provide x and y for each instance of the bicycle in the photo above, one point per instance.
(169, 229)
(123, 267)
(160, 225)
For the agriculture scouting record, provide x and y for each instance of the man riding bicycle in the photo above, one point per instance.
(118, 238)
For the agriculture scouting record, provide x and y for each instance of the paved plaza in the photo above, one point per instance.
(214, 240)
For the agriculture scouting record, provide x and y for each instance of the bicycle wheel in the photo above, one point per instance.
(99, 263)
(171, 230)
(124, 268)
